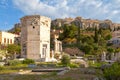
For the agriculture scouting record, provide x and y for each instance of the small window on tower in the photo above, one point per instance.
(33, 27)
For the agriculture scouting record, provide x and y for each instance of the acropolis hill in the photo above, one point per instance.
(86, 22)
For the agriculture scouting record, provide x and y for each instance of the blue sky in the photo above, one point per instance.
(12, 10)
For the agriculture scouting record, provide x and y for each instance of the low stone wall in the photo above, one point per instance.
(50, 70)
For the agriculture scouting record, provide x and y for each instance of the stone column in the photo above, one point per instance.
(52, 52)
(103, 56)
(112, 57)
(117, 56)
(55, 45)
(61, 46)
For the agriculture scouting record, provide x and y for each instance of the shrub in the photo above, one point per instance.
(65, 59)
(2, 68)
(28, 61)
(14, 62)
(46, 64)
(112, 73)
(73, 65)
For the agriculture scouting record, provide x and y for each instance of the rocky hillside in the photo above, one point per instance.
(16, 29)
(85, 23)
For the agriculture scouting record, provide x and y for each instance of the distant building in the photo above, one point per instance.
(35, 37)
(115, 41)
(116, 34)
(7, 38)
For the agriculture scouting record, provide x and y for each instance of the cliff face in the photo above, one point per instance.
(16, 29)
(85, 23)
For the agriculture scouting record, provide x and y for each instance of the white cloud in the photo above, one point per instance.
(97, 9)
(3, 3)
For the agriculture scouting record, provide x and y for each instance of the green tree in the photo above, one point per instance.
(112, 73)
(65, 59)
(87, 39)
(102, 42)
(96, 35)
(28, 61)
(110, 50)
(108, 37)
(69, 32)
(13, 49)
(106, 33)
(3, 53)
(88, 49)
(117, 50)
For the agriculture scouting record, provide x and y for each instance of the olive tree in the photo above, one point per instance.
(13, 49)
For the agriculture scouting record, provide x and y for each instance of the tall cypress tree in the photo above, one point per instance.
(77, 23)
(78, 39)
(96, 36)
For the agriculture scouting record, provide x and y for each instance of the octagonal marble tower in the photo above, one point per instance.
(35, 37)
